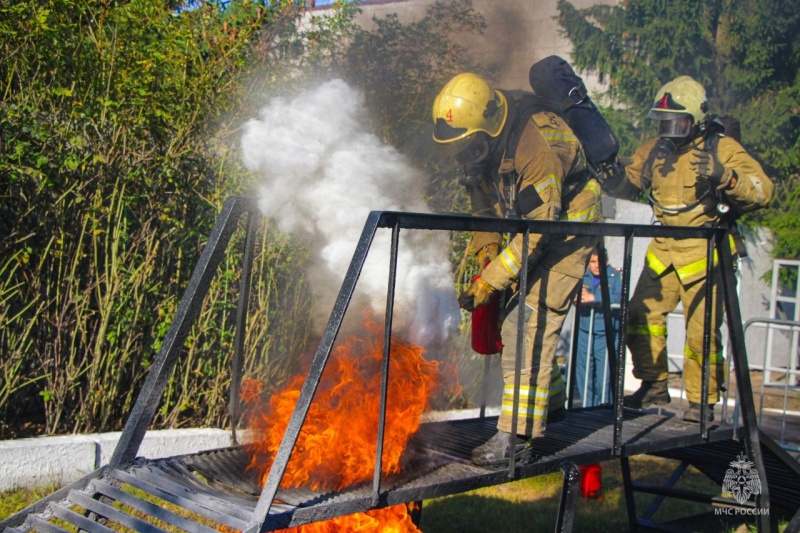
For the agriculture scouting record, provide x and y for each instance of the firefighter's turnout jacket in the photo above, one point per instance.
(546, 179)
(676, 268)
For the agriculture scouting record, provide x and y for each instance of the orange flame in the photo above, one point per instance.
(336, 447)
(251, 390)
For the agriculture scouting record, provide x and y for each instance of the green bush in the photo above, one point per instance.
(114, 133)
(119, 126)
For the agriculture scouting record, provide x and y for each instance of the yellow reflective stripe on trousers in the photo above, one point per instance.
(525, 392)
(654, 263)
(527, 405)
(659, 330)
(716, 358)
(525, 411)
(556, 384)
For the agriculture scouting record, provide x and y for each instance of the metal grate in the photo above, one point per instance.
(212, 490)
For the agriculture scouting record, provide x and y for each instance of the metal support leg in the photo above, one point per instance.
(658, 500)
(742, 370)
(794, 524)
(630, 503)
(569, 497)
(415, 512)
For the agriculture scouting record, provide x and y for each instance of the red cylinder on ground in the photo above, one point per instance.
(591, 480)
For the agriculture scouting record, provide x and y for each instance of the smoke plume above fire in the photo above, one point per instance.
(320, 172)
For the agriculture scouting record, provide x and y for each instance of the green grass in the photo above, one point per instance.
(15, 500)
(532, 504)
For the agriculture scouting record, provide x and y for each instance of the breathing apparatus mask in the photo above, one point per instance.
(675, 132)
(474, 155)
(664, 148)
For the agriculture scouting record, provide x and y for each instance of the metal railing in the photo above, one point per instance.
(604, 396)
(789, 371)
(784, 387)
(189, 307)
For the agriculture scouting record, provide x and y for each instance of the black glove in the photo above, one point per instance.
(708, 166)
(615, 172)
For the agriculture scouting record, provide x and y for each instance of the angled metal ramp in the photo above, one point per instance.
(213, 490)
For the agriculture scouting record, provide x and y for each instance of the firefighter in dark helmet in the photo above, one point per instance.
(521, 160)
(693, 175)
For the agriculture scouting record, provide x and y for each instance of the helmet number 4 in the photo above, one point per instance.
(449, 115)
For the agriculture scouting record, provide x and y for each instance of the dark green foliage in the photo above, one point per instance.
(745, 52)
(113, 167)
(119, 130)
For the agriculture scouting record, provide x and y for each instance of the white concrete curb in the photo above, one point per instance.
(57, 461)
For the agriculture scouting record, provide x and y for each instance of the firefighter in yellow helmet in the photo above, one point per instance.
(693, 175)
(521, 159)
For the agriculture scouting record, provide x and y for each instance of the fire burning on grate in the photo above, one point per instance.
(320, 170)
(336, 447)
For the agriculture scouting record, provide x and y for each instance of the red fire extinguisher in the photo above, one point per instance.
(591, 481)
(486, 338)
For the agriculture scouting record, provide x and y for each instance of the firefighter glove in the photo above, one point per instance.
(486, 255)
(612, 174)
(478, 294)
(708, 166)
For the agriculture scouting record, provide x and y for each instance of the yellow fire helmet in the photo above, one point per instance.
(466, 105)
(675, 102)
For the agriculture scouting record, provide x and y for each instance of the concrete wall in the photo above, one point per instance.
(57, 461)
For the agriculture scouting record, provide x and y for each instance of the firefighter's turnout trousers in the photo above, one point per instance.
(542, 389)
(657, 294)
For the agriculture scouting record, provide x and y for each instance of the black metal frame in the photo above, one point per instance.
(234, 208)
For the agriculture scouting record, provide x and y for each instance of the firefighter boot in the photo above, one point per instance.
(649, 393)
(692, 414)
(497, 450)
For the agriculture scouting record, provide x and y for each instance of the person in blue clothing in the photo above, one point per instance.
(594, 382)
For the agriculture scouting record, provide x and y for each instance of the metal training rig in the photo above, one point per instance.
(212, 490)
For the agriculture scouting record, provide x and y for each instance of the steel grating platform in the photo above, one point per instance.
(213, 490)
(713, 460)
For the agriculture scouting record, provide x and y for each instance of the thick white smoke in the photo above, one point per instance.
(320, 174)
